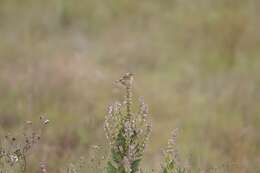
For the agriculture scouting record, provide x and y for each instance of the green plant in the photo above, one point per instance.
(170, 163)
(126, 131)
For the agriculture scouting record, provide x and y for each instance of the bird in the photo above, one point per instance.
(126, 79)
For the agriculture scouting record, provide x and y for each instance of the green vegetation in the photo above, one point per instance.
(127, 132)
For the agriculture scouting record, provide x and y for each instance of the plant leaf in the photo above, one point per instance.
(135, 165)
(111, 168)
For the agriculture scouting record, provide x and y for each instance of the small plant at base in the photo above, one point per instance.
(126, 131)
(14, 150)
(171, 160)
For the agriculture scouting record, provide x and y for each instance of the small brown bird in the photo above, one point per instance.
(126, 80)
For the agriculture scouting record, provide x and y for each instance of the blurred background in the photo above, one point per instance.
(195, 62)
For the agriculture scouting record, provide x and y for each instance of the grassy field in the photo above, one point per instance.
(195, 62)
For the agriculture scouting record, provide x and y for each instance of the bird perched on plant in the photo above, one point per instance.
(126, 79)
